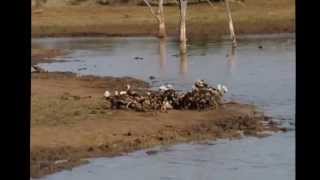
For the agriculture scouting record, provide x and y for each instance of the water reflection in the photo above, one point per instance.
(231, 60)
(231, 65)
(163, 56)
(183, 60)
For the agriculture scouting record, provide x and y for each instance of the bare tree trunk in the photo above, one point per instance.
(183, 13)
(162, 25)
(160, 17)
(232, 34)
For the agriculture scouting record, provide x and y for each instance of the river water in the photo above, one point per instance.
(260, 71)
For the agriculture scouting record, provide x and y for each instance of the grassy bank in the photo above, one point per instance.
(264, 16)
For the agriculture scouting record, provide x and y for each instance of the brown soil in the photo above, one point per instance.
(267, 16)
(71, 122)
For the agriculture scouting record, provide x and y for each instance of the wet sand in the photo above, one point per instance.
(71, 122)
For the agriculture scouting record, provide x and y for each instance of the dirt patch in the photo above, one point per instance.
(70, 122)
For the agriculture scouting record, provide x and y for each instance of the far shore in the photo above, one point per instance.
(203, 21)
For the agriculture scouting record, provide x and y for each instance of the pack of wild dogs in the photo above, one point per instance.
(201, 97)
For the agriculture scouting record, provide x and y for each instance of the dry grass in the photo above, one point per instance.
(267, 16)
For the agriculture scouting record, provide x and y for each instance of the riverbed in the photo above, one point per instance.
(261, 71)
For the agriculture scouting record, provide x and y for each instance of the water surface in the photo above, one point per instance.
(247, 159)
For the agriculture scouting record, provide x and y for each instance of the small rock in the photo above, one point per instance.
(152, 152)
(152, 77)
(76, 97)
(76, 113)
(138, 58)
(90, 149)
(211, 144)
(260, 47)
(81, 69)
(128, 134)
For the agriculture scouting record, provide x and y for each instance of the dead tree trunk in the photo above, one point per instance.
(159, 15)
(183, 13)
(231, 28)
(162, 25)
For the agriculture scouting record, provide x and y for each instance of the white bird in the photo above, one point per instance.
(225, 89)
(219, 87)
(123, 92)
(163, 88)
(167, 105)
(200, 84)
(130, 92)
(169, 86)
(106, 94)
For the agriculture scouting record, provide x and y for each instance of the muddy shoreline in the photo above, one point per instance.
(192, 35)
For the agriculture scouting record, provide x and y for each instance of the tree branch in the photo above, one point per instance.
(210, 3)
(151, 10)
